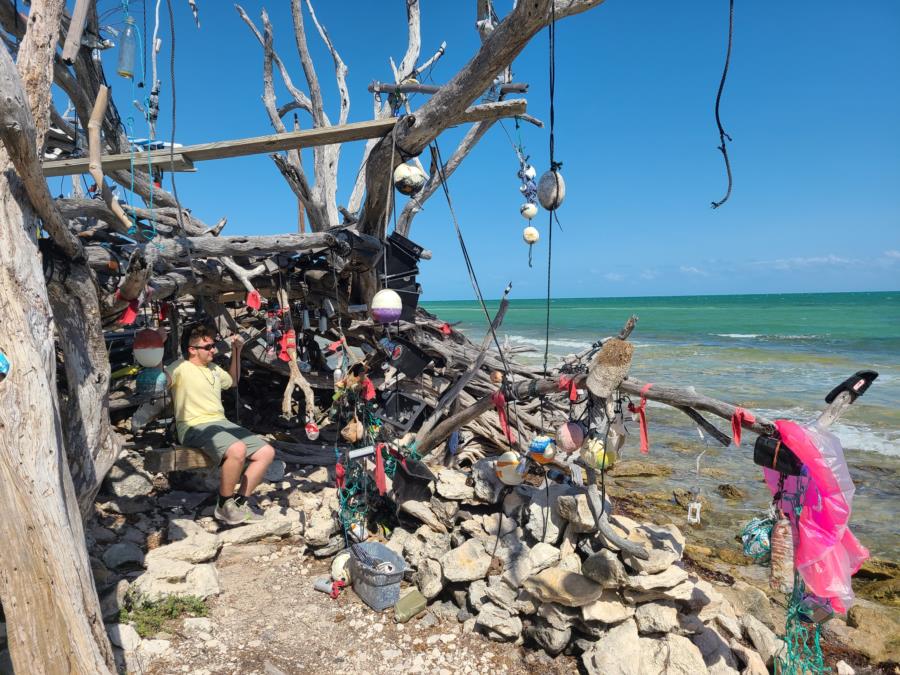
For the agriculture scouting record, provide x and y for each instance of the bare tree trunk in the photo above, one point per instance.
(53, 617)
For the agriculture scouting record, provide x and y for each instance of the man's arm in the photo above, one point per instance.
(234, 368)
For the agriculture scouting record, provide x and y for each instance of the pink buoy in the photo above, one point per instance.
(569, 437)
(386, 306)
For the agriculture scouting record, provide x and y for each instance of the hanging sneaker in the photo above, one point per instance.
(232, 514)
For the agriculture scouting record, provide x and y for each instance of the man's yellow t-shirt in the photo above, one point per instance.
(197, 394)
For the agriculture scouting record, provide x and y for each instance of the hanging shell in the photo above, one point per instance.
(551, 190)
(409, 179)
(781, 573)
(528, 210)
(531, 235)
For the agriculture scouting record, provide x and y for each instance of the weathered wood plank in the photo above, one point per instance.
(176, 458)
(76, 29)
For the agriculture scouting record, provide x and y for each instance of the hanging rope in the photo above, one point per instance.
(723, 136)
(172, 142)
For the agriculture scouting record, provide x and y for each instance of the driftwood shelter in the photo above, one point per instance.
(83, 274)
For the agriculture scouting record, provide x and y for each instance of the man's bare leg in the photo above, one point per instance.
(232, 466)
(256, 469)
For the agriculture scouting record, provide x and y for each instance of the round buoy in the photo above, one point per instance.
(528, 210)
(409, 179)
(149, 348)
(595, 455)
(507, 468)
(542, 449)
(340, 567)
(386, 306)
(151, 380)
(312, 430)
(497, 377)
(529, 172)
(551, 190)
(5, 367)
(531, 235)
(569, 437)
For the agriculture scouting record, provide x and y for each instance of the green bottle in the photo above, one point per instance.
(410, 605)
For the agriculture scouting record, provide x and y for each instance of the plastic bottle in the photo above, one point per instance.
(781, 573)
(127, 49)
(410, 605)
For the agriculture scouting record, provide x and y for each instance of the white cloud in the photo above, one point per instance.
(892, 254)
(787, 264)
(649, 275)
(689, 269)
(613, 276)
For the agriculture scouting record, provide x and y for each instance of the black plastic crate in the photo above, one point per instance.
(400, 410)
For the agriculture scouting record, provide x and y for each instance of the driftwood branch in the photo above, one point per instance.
(95, 152)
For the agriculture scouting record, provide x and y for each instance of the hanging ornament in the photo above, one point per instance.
(528, 210)
(596, 455)
(127, 48)
(506, 467)
(693, 514)
(312, 430)
(551, 190)
(569, 437)
(386, 306)
(531, 235)
(615, 438)
(409, 179)
(5, 367)
(149, 347)
(542, 449)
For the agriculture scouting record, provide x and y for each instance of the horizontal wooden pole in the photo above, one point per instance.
(256, 145)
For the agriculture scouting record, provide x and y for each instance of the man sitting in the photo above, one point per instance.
(197, 385)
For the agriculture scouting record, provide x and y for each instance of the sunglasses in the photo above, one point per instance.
(207, 348)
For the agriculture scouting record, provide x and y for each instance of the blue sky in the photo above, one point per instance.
(812, 102)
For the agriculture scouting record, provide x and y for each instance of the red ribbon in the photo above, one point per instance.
(499, 401)
(641, 410)
(737, 419)
(367, 389)
(131, 312)
(380, 479)
(163, 311)
(334, 346)
(568, 383)
(446, 330)
(336, 588)
(254, 301)
(339, 474)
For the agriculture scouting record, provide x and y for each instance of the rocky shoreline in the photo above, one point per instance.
(519, 566)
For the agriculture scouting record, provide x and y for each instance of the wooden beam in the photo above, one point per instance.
(242, 147)
(176, 458)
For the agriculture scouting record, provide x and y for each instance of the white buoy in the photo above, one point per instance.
(531, 235)
(386, 306)
(551, 190)
(409, 179)
(528, 210)
(529, 172)
(506, 467)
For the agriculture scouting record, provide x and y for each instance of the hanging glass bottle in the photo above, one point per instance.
(127, 49)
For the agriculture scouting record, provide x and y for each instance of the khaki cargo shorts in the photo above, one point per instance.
(214, 438)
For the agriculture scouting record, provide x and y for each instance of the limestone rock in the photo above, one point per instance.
(467, 562)
(696, 594)
(764, 640)
(545, 523)
(477, 594)
(608, 609)
(124, 636)
(445, 510)
(161, 580)
(191, 543)
(558, 615)
(566, 588)
(656, 617)
(665, 545)
(633, 468)
(321, 526)
(498, 624)
(605, 568)
(275, 471)
(112, 603)
(544, 556)
(178, 499)
(716, 653)
(425, 543)
(750, 661)
(672, 655)
(399, 536)
(245, 534)
(423, 511)
(197, 624)
(492, 522)
(577, 511)
(843, 668)
(515, 556)
(451, 484)
(748, 599)
(123, 554)
(729, 491)
(127, 478)
(428, 578)
(487, 486)
(669, 578)
(551, 639)
(618, 652)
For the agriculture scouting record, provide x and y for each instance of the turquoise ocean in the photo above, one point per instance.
(775, 354)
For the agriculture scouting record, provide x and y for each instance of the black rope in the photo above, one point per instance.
(722, 133)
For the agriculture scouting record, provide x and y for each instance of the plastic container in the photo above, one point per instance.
(127, 49)
(377, 589)
(410, 605)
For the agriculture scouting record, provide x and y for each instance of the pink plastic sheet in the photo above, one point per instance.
(825, 551)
